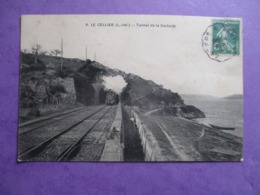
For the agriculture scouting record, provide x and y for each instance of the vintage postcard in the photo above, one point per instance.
(130, 88)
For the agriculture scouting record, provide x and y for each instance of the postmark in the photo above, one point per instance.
(221, 40)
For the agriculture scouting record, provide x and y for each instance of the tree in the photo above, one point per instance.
(36, 49)
(24, 50)
(43, 53)
(56, 52)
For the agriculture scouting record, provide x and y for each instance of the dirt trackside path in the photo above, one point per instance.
(185, 140)
(152, 111)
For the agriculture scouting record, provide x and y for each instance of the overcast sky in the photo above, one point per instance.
(173, 57)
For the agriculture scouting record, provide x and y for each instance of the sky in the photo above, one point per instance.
(169, 55)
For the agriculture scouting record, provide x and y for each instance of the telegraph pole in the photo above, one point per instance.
(61, 55)
(86, 53)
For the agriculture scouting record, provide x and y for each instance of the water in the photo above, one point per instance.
(220, 112)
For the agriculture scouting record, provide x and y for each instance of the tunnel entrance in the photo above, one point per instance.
(102, 96)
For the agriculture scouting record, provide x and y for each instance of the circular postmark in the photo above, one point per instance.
(221, 40)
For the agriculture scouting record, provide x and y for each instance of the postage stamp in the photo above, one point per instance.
(221, 40)
(225, 37)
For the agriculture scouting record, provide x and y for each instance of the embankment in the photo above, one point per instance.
(113, 150)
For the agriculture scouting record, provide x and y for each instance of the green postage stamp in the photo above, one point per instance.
(221, 40)
(225, 37)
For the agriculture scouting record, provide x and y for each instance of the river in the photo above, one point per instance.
(219, 111)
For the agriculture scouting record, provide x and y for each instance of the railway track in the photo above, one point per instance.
(49, 117)
(67, 153)
(37, 124)
(60, 145)
(27, 140)
(92, 146)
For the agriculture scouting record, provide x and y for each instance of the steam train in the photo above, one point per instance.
(112, 98)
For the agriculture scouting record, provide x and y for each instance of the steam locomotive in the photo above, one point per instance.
(112, 98)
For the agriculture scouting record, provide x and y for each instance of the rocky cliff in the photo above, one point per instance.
(138, 92)
(147, 94)
(184, 111)
(44, 86)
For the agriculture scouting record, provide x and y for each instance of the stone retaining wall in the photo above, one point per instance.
(150, 145)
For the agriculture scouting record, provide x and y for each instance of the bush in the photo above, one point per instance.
(91, 72)
(26, 92)
(58, 88)
(28, 59)
(63, 73)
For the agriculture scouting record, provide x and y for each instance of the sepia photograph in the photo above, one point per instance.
(130, 88)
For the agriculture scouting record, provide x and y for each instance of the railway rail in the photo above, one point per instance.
(67, 152)
(76, 132)
(92, 146)
(49, 117)
(31, 138)
(37, 124)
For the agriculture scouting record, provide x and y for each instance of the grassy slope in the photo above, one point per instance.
(72, 64)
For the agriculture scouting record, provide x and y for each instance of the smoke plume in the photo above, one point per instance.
(116, 83)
